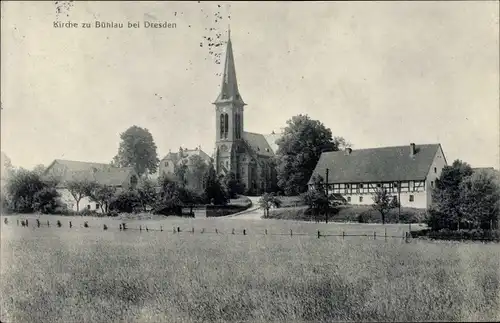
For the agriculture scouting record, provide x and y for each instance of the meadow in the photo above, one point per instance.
(52, 274)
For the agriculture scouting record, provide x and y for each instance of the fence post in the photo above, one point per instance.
(319, 234)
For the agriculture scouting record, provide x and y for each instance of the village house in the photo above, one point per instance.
(64, 171)
(408, 173)
(171, 160)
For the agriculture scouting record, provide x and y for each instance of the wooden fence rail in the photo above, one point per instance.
(405, 236)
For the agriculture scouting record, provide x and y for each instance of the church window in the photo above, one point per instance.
(226, 125)
(221, 126)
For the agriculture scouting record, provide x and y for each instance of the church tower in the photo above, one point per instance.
(228, 119)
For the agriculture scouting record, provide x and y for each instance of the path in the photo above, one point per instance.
(253, 213)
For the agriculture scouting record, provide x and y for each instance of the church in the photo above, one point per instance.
(248, 155)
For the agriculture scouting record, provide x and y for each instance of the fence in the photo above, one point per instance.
(178, 230)
(405, 236)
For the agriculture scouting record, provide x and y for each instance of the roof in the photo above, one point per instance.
(187, 153)
(258, 143)
(104, 174)
(377, 164)
(271, 140)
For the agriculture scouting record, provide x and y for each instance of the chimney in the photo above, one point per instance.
(348, 151)
(413, 151)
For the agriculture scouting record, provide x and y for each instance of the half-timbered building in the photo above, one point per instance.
(408, 173)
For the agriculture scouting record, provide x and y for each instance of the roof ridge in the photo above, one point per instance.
(384, 147)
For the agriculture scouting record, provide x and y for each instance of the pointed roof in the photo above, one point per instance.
(229, 88)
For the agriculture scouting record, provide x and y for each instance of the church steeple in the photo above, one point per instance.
(229, 88)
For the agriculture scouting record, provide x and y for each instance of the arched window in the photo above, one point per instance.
(226, 125)
(221, 126)
(237, 126)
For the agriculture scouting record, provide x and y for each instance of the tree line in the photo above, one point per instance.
(27, 191)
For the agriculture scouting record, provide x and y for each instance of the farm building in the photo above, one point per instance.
(64, 171)
(407, 172)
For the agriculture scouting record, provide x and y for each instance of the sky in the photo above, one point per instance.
(376, 73)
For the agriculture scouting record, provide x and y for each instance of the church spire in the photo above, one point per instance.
(229, 88)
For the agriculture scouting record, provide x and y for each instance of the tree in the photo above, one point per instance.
(21, 188)
(268, 200)
(170, 197)
(180, 172)
(46, 200)
(232, 185)
(102, 195)
(299, 150)
(213, 189)
(446, 211)
(125, 201)
(137, 149)
(342, 143)
(383, 202)
(480, 199)
(197, 168)
(147, 193)
(78, 190)
(39, 169)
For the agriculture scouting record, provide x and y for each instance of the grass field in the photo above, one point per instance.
(90, 275)
(349, 213)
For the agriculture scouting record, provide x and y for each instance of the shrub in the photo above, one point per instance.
(46, 200)
(126, 201)
(447, 234)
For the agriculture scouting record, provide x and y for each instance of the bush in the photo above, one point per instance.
(447, 234)
(126, 201)
(46, 200)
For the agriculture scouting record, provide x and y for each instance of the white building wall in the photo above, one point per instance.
(419, 199)
(415, 197)
(70, 202)
(434, 173)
